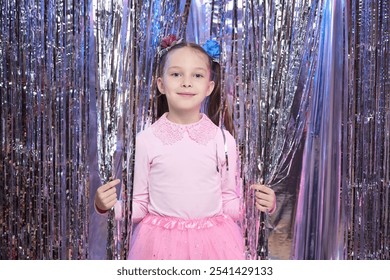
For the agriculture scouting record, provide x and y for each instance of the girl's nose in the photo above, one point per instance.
(186, 83)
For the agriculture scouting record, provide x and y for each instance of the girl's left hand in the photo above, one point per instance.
(265, 198)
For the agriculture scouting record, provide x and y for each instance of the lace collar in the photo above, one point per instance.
(169, 132)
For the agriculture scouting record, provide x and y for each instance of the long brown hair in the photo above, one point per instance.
(213, 106)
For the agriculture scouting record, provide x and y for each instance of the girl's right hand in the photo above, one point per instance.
(105, 197)
(265, 198)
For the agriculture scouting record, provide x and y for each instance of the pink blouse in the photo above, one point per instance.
(181, 171)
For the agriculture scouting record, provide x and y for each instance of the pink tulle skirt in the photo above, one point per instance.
(169, 238)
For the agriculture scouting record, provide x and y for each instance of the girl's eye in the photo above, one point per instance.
(175, 74)
(198, 75)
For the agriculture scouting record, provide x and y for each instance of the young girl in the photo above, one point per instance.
(185, 199)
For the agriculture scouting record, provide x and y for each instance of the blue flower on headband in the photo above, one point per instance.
(212, 48)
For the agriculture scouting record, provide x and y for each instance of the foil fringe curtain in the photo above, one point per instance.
(343, 206)
(318, 218)
(44, 97)
(273, 63)
(367, 132)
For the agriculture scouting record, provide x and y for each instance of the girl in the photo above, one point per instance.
(185, 198)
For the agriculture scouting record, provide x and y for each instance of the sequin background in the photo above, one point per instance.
(307, 82)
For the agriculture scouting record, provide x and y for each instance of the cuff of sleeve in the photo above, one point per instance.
(272, 210)
(117, 210)
(99, 211)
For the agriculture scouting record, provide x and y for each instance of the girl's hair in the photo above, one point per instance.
(213, 106)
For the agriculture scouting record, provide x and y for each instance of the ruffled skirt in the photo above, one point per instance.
(169, 238)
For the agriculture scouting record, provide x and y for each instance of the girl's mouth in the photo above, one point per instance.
(186, 94)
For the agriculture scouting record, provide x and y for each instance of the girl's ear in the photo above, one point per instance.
(210, 88)
(160, 85)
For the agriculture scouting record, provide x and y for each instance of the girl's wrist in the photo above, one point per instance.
(273, 209)
(100, 210)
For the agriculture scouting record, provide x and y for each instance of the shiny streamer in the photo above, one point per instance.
(319, 217)
(108, 34)
(343, 206)
(367, 132)
(44, 97)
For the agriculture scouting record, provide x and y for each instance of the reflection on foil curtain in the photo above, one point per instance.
(44, 97)
(318, 231)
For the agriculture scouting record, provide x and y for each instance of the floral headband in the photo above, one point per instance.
(211, 47)
(167, 43)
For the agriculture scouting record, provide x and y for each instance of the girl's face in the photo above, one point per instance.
(186, 80)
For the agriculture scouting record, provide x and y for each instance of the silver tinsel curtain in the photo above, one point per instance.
(44, 129)
(307, 82)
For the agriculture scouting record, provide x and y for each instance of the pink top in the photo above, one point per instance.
(180, 171)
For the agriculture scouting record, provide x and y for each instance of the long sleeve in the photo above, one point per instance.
(230, 186)
(141, 185)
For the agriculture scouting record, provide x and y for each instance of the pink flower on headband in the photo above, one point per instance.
(168, 41)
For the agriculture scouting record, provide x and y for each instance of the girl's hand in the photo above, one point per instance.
(105, 197)
(265, 198)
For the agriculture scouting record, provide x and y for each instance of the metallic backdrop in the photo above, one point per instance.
(44, 129)
(307, 82)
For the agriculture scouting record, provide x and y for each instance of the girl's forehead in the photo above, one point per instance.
(187, 56)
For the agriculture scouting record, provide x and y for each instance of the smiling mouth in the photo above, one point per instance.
(186, 94)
